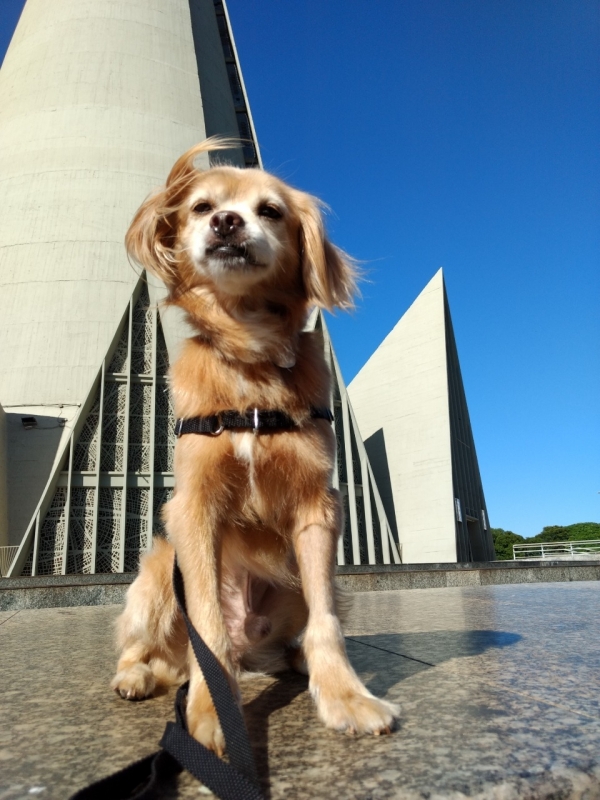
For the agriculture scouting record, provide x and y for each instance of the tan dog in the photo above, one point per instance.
(254, 520)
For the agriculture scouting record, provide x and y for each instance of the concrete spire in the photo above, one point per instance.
(410, 407)
(98, 98)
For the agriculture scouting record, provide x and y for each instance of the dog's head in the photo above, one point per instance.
(239, 232)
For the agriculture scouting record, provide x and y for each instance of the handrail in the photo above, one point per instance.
(7, 555)
(557, 550)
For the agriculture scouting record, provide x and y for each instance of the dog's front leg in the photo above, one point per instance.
(198, 552)
(342, 701)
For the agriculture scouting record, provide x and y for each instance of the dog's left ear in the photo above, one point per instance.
(328, 273)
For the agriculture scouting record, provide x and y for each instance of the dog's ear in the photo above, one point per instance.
(152, 237)
(328, 273)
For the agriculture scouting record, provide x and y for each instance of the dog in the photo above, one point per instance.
(254, 519)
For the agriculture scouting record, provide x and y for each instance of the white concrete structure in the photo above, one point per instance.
(3, 482)
(97, 100)
(412, 414)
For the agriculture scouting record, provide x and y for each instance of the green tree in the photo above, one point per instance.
(578, 532)
(503, 543)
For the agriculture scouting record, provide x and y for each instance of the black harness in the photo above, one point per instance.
(254, 420)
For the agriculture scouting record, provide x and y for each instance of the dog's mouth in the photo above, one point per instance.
(233, 256)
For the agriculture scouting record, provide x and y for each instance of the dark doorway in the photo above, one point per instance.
(476, 540)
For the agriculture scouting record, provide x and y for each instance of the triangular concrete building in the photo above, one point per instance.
(412, 413)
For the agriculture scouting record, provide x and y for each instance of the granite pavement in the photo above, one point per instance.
(499, 688)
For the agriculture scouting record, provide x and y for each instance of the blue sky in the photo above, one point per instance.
(465, 135)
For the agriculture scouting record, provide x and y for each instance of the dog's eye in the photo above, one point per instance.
(270, 212)
(202, 208)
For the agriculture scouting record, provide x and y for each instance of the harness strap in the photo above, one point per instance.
(250, 420)
(236, 780)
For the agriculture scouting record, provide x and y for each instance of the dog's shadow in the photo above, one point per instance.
(388, 658)
(417, 652)
(282, 693)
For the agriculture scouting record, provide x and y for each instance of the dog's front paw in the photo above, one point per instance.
(206, 729)
(355, 712)
(134, 683)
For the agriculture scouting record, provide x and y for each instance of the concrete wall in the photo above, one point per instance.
(400, 398)
(94, 590)
(97, 100)
(3, 482)
(219, 110)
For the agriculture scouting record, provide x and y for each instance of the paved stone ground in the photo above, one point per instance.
(499, 688)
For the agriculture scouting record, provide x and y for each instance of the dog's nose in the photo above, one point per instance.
(226, 222)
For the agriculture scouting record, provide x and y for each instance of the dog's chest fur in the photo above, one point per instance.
(203, 383)
(243, 448)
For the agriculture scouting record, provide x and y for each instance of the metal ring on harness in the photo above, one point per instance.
(221, 427)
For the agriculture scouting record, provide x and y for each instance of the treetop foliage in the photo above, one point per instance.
(578, 532)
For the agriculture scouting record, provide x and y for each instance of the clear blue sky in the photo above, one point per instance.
(461, 134)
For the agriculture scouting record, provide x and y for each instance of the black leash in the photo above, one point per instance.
(236, 780)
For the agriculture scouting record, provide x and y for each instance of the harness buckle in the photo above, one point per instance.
(179, 427)
(221, 427)
(256, 422)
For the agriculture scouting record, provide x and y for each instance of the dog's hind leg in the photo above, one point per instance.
(150, 632)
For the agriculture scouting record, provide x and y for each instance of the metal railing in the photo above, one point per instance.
(581, 550)
(7, 555)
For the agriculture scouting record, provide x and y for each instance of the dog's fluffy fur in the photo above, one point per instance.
(254, 520)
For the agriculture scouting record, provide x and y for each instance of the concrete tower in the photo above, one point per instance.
(97, 100)
(412, 413)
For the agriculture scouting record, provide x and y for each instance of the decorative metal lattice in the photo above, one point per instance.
(108, 528)
(136, 528)
(362, 530)
(117, 473)
(52, 536)
(162, 356)
(164, 424)
(113, 428)
(142, 344)
(28, 566)
(120, 359)
(86, 449)
(346, 530)
(356, 470)
(81, 524)
(140, 427)
(339, 442)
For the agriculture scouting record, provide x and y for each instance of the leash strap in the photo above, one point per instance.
(236, 780)
(250, 420)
